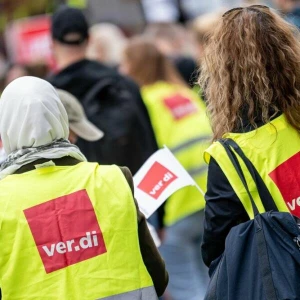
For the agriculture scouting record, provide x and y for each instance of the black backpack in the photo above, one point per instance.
(261, 260)
(109, 106)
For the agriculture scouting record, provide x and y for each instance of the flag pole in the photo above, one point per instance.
(199, 189)
(195, 184)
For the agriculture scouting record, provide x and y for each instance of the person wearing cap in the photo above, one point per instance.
(69, 229)
(79, 125)
(79, 76)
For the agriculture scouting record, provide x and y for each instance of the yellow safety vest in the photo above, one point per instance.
(70, 232)
(274, 150)
(179, 121)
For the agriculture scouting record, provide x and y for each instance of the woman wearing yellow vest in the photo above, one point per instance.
(179, 121)
(69, 229)
(251, 75)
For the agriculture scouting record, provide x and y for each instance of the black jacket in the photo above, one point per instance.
(78, 79)
(223, 210)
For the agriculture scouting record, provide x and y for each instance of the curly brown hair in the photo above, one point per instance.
(251, 70)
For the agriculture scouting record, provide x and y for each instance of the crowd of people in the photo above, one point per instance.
(71, 139)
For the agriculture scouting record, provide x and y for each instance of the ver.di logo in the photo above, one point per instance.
(287, 178)
(157, 179)
(180, 106)
(65, 230)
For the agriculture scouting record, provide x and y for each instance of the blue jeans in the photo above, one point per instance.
(182, 254)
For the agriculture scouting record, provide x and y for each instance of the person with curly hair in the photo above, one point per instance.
(251, 78)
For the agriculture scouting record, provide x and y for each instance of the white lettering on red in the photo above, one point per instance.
(293, 203)
(168, 176)
(183, 110)
(88, 241)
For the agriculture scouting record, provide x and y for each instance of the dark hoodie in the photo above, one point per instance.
(78, 79)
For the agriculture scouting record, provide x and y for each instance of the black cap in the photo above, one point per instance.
(68, 20)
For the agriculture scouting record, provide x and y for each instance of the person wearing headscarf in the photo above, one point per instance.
(79, 125)
(33, 125)
(69, 229)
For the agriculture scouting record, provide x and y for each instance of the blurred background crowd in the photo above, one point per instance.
(177, 27)
(149, 41)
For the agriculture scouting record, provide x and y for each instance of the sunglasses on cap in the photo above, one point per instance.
(241, 8)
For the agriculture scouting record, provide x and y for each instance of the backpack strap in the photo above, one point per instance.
(268, 202)
(265, 195)
(211, 293)
(92, 92)
(235, 163)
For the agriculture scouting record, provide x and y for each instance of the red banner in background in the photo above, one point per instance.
(29, 41)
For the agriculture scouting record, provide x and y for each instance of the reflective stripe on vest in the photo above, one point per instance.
(73, 231)
(189, 143)
(179, 121)
(274, 150)
(197, 171)
(141, 294)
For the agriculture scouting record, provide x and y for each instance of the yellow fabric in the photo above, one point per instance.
(173, 133)
(266, 147)
(119, 270)
(77, 3)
